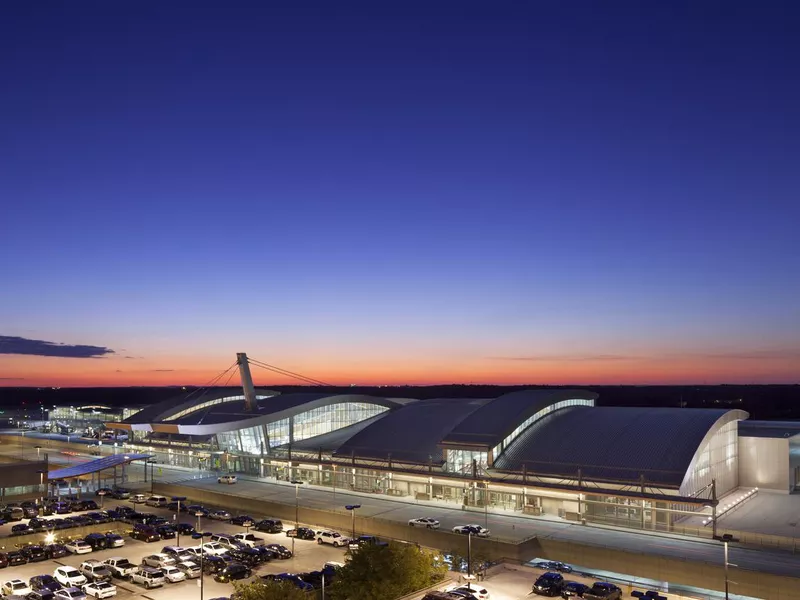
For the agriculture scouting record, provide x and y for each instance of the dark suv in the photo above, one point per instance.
(549, 584)
(145, 533)
(97, 541)
(34, 553)
(269, 526)
(602, 590)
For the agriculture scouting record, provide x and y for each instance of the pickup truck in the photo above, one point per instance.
(602, 590)
(120, 567)
(94, 570)
(248, 539)
(365, 540)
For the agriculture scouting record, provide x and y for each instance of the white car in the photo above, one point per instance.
(138, 498)
(473, 529)
(424, 522)
(173, 574)
(70, 593)
(101, 589)
(332, 537)
(214, 548)
(16, 587)
(229, 479)
(159, 561)
(480, 592)
(78, 547)
(69, 576)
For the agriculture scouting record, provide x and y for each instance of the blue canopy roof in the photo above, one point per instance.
(93, 466)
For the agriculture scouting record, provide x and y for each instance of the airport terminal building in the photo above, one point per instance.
(548, 452)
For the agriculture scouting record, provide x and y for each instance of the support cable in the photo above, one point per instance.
(287, 373)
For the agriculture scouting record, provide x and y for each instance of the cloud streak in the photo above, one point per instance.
(566, 358)
(18, 345)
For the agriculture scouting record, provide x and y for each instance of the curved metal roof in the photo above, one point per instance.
(230, 416)
(166, 408)
(488, 426)
(616, 444)
(413, 433)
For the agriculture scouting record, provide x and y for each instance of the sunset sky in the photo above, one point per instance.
(388, 193)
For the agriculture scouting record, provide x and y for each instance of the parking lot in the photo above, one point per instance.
(308, 556)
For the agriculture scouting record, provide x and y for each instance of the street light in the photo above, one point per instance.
(200, 535)
(175, 517)
(352, 508)
(38, 451)
(297, 483)
(102, 494)
(725, 539)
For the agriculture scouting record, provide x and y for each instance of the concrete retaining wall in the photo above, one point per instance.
(685, 572)
(72, 533)
(491, 549)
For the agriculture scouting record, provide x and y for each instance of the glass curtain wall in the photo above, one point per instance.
(324, 419)
(718, 460)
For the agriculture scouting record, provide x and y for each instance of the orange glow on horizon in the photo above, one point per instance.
(28, 371)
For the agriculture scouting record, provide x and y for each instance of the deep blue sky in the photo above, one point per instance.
(416, 191)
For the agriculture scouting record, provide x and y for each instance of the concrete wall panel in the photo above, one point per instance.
(764, 463)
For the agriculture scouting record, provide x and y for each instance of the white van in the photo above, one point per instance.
(157, 501)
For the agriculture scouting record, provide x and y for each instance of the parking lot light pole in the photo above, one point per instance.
(297, 483)
(725, 539)
(352, 508)
(177, 516)
(102, 494)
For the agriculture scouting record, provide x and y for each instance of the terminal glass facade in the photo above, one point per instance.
(717, 460)
(252, 440)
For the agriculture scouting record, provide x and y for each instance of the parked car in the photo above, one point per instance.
(549, 584)
(280, 550)
(98, 541)
(120, 494)
(94, 570)
(16, 587)
(248, 539)
(40, 595)
(476, 591)
(114, 540)
(213, 565)
(572, 589)
(148, 577)
(69, 576)
(334, 538)
(193, 509)
(166, 532)
(3, 560)
(269, 526)
(20, 529)
(553, 565)
(16, 558)
(103, 491)
(302, 533)
(229, 479)
(45, 582)
(34, 553)
(220, 515)
(364, 540)
(243, 521)
(159, 561)
(55, 551)
(214, 548)
(424, 522)
(78, 547)
(100, 589)
(157, 501)
(184, 529)
(70, 593)
(473, 529)
(247, 556)
(233, 572)
(173, 574)
(295, 580)
(120, 567)
(137, 499)
(30, 509)
(145, 533)
(190, 568)
(602, 590)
